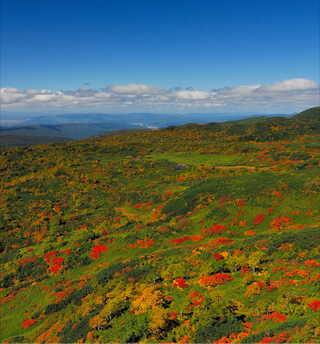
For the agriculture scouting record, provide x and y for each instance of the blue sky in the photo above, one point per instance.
(160, 56)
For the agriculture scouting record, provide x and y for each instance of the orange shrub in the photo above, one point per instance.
(27, 323)
(214, 280)
(280, 223)
(275, 317)
(311, 263)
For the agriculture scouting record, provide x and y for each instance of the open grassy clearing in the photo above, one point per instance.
(195, 159)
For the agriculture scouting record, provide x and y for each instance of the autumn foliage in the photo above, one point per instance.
(179, 283)
(194, 238)
(280, 223)
(28, 322)
(214, 280)
(215, 229)
(311, 263)
(258, 219)
(275, 317)
(315, 305)
(97, 250)
(111, 240)
(55, 262)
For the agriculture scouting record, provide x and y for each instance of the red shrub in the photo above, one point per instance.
(221, 241)
(144, 243)
(275, 317)
(179, 240)
(179, 283)
(214, 280)
(315, 305)
(48, 256)
(215, 229)
(195, 303)
(97, 250)
(173, 315)
(280, 223)
(28, 322)
(56, 264)
(241, 203)
(194, 295)
(258, 219)
(218, 256)
(279, 338)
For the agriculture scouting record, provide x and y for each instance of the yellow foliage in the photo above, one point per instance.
(225, 254)
(148, 299)
(97, 321)
(286, 247)
(159, 317)
(253, 289)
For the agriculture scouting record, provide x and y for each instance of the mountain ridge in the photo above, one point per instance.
(30, 134)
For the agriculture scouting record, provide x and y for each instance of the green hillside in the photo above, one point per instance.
(7, 141)
(309, 114)
(118, 132)
(200, 233)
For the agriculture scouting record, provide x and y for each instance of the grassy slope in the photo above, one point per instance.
(79, 195)
(7, 141)
(313, 113)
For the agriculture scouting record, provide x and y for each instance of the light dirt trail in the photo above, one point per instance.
(124, 212)
(252, 168)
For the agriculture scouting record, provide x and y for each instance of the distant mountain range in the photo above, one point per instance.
(23, 130)
(139, 119)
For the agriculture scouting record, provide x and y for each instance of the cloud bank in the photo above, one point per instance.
(288, 93)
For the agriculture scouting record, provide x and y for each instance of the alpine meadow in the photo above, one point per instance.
(159, 171)
(195, 233)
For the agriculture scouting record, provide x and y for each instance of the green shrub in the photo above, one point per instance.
(300, 156)
(31, 269)
(76, 296)
(216, 328)
(304, 239)
(73, 334)
(7, 281)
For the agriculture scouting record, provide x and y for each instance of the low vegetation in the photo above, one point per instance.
(200, 234)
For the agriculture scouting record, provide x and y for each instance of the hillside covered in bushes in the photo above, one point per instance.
(198, 233)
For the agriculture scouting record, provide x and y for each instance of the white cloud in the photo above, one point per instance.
(11, 95)
(291, 93)
(30, 91)
(47, 97)
(239, 91)
(289, 85)
(136, 89)
(102, 95)
(192, 95)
